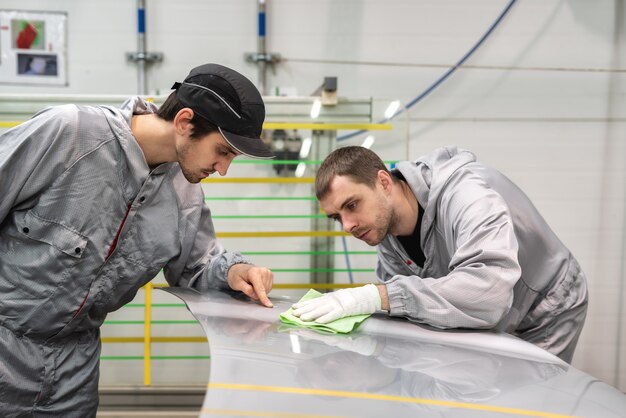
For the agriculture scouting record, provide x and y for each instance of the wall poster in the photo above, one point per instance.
(33, 47)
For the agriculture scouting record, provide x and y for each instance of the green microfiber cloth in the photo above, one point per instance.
(338, 326)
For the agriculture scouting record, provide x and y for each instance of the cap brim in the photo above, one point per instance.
(251, 147)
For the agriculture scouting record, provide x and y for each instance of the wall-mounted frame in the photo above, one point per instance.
(33, 47)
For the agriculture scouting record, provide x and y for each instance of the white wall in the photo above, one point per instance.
(537, 100)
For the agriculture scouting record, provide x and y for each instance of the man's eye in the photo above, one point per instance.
(351, 205)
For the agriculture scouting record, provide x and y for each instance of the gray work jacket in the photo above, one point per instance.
(72, 179)
(491, 259)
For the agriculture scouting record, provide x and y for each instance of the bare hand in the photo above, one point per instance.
(255, 282)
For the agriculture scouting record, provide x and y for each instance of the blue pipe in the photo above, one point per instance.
(141, 20)
(261, 23)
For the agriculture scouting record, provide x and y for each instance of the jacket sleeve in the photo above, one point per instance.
(33, 155)
(474, 223)
(203, 263)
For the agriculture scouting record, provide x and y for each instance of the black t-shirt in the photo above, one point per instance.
(411, 243)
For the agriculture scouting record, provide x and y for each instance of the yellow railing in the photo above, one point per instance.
(147, 336)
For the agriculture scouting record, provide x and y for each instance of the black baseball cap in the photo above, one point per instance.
(230, 101)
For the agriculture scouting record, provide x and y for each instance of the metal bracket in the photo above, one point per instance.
(255, 57)
(144, 56)
(327, 91)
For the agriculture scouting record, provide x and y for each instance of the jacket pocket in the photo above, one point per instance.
(52, 233)
(40, 280)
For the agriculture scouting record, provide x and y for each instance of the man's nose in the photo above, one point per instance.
(348, 224)
(222, 167)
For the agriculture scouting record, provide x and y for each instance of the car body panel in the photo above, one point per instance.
(391, 367)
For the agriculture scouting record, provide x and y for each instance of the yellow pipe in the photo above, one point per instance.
(160, 285)
(328, 126)
(147, 335)
(278, 234)
(259, 180)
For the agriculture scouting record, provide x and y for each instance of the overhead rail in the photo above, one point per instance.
(281, 112)
(275, 125)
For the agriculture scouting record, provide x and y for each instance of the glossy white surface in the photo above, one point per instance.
(388, 367)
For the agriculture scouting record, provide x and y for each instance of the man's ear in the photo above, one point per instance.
(182, 122)
(385, 180)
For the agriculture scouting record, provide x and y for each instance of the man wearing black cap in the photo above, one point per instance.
(95, 202)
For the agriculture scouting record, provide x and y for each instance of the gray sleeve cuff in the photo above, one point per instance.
(215, 274)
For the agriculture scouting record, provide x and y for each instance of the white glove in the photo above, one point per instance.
(335, 305)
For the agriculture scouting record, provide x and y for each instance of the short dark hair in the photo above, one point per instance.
(170, 108)
(358, 163)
